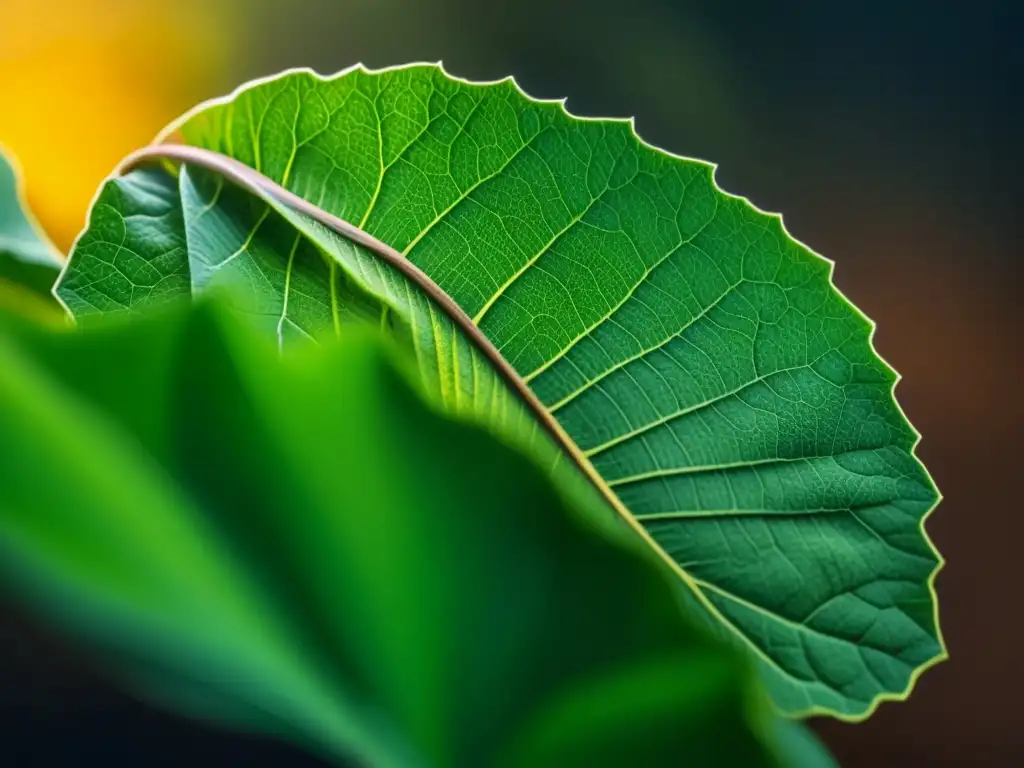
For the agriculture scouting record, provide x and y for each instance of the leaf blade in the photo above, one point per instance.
(697, 354)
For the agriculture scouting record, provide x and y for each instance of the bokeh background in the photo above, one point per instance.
(888, 132)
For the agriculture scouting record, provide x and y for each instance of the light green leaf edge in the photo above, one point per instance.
(24, 242)
(40, 249)
(694, 591)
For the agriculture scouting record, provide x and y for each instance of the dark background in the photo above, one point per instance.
(888, 133)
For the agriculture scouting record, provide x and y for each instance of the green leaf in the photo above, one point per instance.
(153, 238)
(801, 746)
(29, 262)
(698, 356)
(279, 544)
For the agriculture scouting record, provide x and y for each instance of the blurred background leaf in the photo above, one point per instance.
(276, 543)
(29, 262)
(802, 747)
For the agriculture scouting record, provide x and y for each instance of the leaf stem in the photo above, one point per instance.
(255, 182)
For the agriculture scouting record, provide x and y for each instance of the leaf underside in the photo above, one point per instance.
(697, 355)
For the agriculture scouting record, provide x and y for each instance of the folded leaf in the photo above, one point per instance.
(698, 357)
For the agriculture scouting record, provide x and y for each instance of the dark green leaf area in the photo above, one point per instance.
(301, 544)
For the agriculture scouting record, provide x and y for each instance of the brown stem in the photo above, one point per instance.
(260, 185)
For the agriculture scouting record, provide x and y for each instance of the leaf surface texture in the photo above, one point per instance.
(697, 355)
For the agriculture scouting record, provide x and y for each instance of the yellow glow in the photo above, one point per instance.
(84, 82)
